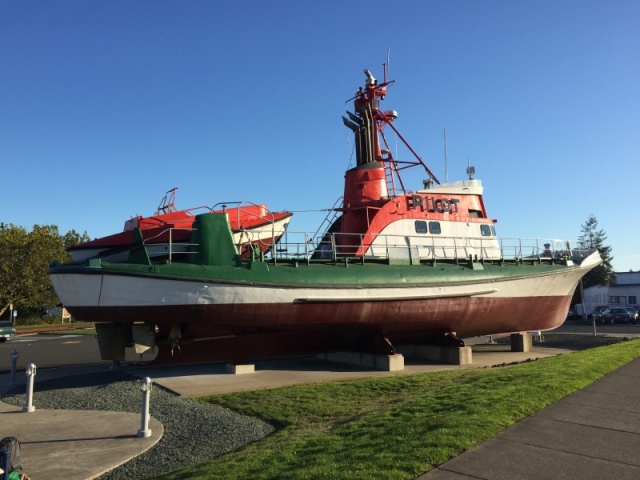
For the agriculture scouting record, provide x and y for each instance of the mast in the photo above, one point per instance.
(446, 178)
(372, 148)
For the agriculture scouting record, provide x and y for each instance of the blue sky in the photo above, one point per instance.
(105, 105)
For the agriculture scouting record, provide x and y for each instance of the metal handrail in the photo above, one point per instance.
(239, 209)
(147, 241)
(385, 247)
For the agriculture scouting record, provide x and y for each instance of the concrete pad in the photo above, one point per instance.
(212, 379)
(385, 363)
(395, 363)
(604, 400)
(497, 459)
(628, 369)
(240, 369)
(439, 353)
(438, 474)
(625, 385)
(97, 441)
(593, 416)
(595, 442)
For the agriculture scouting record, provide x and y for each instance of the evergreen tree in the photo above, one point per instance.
(592, 237)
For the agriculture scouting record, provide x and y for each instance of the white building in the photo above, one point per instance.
(624, 292)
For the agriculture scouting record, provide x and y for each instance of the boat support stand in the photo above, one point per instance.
(446, 348)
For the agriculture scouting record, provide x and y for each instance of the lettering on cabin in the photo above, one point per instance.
(432, 204)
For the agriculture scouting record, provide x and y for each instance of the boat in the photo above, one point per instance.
(169, 229)
(392, 267)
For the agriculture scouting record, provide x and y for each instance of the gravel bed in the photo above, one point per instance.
(193, 432)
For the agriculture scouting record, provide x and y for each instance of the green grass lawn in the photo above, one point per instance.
(88, 330)
(78, 328)
(397, 427)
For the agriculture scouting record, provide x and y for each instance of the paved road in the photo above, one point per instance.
(50, 350)
(54, 350)
(580, 326)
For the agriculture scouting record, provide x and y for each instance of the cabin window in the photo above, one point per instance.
(475, 214)
(485, 230)
(434, 227)
(421, 226)
(493, 231)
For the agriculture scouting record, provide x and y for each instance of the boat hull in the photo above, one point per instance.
(323, 316)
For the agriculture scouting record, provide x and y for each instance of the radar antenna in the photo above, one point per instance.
(470, 170)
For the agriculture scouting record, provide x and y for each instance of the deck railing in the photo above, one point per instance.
(302, 246)
(418, 247)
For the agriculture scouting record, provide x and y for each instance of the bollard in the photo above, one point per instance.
(31, 376)
(14, 364)
(4, 464)
(144, 431)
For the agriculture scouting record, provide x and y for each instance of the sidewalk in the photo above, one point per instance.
(593, 433)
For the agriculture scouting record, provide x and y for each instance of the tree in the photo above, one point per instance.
(592, 237)
(24, 260)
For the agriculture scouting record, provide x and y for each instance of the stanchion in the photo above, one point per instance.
(31, 375)
(144, 431)
(14, 364)
(4, 464)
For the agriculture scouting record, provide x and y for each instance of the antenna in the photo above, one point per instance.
(386, 65)
(446, 178)
(470, 170)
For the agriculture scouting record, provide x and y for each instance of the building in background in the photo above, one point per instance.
(624, 292)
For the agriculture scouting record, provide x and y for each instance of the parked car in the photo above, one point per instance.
(601, 314)
(623, 315)
(7, 330)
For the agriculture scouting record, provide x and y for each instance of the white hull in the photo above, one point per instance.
(108, 290)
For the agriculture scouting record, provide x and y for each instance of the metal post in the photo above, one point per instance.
(584, 310)
(145, 431)
(4, 464)
(14, 364)
(31, 374)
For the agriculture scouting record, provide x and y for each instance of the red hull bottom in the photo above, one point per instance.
(244, 332)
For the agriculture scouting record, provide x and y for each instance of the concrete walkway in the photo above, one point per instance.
(213, 379)
(593, 433)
